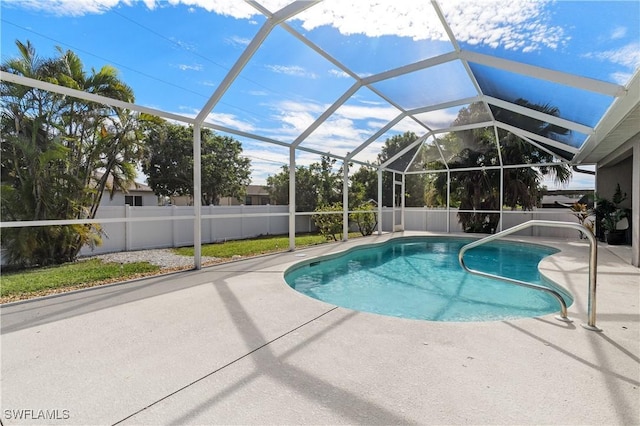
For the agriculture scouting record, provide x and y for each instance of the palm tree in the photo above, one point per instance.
(480, 189)
(522, 185)
(52, 147)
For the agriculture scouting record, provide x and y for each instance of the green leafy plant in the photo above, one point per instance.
(609, 213)
(328, 219)
(365, 218)
(59, 155)
(582, 212)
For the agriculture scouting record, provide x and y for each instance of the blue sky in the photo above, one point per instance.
(175, 53)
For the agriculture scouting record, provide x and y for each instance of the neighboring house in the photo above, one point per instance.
(180, 200)
(564, 198)
(257, 195)
(137, 194)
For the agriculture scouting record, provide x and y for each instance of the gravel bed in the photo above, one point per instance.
(164, 258)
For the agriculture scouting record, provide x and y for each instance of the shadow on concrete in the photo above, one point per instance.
(612, 379)
(349, 405)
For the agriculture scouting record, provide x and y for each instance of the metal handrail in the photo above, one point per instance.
(593, 263)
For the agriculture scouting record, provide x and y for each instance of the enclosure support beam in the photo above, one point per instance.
(380, 201)
(403, 202)
(292, 199)
(500, 224)
(280, 16)
(635, 206)
(393, 203)
(197, 199)
(448, 201)
(345, 201)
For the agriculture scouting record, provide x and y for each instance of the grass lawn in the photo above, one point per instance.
(55, 279)
(39, 281)
(256, 246)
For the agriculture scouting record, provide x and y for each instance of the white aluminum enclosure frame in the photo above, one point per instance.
(626, 100)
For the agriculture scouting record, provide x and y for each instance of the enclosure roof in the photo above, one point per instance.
(340, 78)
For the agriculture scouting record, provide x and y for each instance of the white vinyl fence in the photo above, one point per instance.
(435, 220)
(221, 223)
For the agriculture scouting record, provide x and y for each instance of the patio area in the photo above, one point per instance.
(233, 344)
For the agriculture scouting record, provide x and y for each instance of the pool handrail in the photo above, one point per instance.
(593, 256)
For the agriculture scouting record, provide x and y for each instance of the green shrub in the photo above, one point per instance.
(365, 218)
(329, 225)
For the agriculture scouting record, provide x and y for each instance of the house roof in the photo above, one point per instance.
(133, 186)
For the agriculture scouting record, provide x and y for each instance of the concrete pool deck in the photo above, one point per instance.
(233, 344)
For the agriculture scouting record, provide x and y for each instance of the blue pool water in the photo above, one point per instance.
(420, 278)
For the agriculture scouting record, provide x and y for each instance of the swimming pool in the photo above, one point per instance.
(420, 278)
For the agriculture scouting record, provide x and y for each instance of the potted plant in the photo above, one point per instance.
(584, 215)
(609, 214)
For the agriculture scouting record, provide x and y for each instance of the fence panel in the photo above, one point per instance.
(160, 234)
(113, 234)
(140, 235)
(153, 234)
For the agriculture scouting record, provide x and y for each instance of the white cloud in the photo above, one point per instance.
(337, 73)
(293, 70)
(295, 117)
(342, 132)
(258, 93)
(68, 7)
(383, 112)
(183, 45)
(628, 56)
(618, 33)
(258, 152)
(222, 119)
(408, 125)
(348, 127)
(236, 9)
(231, 121)
(370, 153)
(185, 67)
(439, 119)
(238, 41)
(621, 78)
(265, 161)
(512, 24)
(385, 17)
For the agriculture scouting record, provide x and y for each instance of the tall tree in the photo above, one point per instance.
(168, 163)
(319, 184)
(480, 189)
(60, 153)
(364, 186)
(414, 184)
